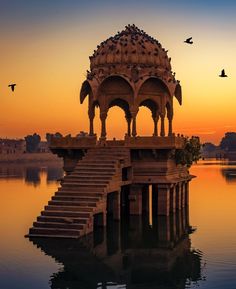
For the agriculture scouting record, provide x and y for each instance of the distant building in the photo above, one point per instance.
(212, 151)
(43, 147)
(12, 146)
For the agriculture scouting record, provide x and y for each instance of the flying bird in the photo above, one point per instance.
(189, 40)
(12, 86)
(223, 73)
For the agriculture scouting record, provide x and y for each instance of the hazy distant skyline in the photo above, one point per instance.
(45, 47)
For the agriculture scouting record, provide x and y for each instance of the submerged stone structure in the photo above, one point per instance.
(120, 177)
(128, 256)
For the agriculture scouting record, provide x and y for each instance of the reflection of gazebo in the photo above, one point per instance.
(133, 254)
(131, 70)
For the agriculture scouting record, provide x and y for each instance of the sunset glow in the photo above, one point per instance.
(45, 50)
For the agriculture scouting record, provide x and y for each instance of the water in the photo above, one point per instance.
(127, 255)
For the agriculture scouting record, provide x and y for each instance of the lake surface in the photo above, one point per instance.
(133, 254)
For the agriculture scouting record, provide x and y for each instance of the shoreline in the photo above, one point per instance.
(29, 157)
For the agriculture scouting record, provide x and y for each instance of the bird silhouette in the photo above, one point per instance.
(189, 40)
(12, 86)
(223, 73)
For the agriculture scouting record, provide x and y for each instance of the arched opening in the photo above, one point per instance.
(97, 125)
(115, 91)
(119, 119)
(144, 122)
(148, 116)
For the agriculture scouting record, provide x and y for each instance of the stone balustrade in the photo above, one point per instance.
(139, 142)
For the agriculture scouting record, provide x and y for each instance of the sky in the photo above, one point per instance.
(45, 49)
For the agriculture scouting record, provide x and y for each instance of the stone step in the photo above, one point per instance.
(63, 220)
(58, 225)
(76, 194)
(85, 199)
(108, 149)
(85, 203)
(101, 161)
(108, 157)
(84, 189)
(92, 174)
(94, 165)
(52, 236)
(54, 232)
(82, 185)
(87, 177)
(94, 169)
(83, 181)
(66, 214)
(78, 209)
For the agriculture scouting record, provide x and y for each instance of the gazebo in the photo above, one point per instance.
(129, 70)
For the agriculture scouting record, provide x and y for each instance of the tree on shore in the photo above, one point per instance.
(190, 153)
(228, 142)
(32, 142)
(209, 147)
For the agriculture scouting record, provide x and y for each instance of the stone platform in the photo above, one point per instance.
(112, 177)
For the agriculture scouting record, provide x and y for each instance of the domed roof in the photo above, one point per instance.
(130, 46)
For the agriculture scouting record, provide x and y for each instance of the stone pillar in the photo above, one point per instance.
(135, 200)
(116, 206)
(172, 200)
(128, 119)
(182, 191)
(170, 126)
(173, 226)
(134, 130)
(163, 203)
(155, 121)
(103, 116)
(187, 194)
(91, 129)
(178, 224)
(178, 197)
(104, 218)
(164, 229)
(162, 125)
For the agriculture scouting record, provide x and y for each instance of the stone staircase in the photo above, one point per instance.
(83, 193)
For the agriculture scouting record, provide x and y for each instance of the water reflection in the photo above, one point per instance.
(229, 172)
(128, 254)
(31, 173)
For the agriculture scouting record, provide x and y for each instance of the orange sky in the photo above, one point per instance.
(48, 57)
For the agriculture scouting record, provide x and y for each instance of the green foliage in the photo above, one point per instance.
(209, 147)
(190, 153)
(228, 142)
(32, 142)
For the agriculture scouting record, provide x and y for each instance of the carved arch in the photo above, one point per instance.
(123, 104)
(157, 85)
(85, 90)
(178, 93)
(115, 86)
(152, 105)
